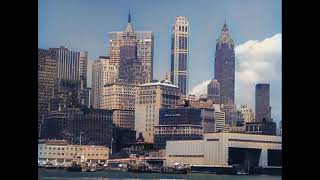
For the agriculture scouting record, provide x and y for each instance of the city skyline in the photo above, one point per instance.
(264, 31)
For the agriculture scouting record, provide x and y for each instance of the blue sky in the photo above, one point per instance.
(84, 25)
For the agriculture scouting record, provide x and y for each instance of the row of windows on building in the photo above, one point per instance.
(175, 128)
(183, 28)
(71, 154)
(186, 155)
(179, 133)
(54, 148)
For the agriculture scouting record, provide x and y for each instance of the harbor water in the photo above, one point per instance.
(55, 174)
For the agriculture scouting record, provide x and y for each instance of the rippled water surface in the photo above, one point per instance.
(48, 174)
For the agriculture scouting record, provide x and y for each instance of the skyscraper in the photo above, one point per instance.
(214, 91)
(263, 109)
(46, 79)
(224, 67)
(103, 72)
(143, 40)
(180, 54)
(130, 67)
(71, 65)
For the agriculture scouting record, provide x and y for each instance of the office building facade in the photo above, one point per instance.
(183, 123)
(213, 90)
(46, 80)
(266, 128)
(180, 54)
(150, 98)
(131, 68)
(67, 123)
(120, 98)
(71, 65)
(263, 109)
(164, 133)
(219, 117)
(103, 72)
(248, 115)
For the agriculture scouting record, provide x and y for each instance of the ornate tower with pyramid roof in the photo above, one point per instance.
(141, 43)
(224, 71)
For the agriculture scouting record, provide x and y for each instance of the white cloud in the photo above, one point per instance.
(257, 62)
(200, 88)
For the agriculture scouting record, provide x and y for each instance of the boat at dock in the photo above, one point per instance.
(141, 167)
(177, 168)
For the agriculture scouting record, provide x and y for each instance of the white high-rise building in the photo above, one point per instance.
(219, 117)
(180, 54)
(150, 98)
(247, 113)
(103, 72)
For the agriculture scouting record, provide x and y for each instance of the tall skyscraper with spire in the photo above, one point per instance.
(143, 42)
(224, 66)
(180, 54)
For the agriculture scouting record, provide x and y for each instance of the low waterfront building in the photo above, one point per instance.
(226, 149)
(61, 151)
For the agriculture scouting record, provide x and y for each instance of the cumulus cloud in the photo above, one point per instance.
(256, 62)
(200, 88)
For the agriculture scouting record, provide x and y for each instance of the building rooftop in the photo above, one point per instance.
(164, 83)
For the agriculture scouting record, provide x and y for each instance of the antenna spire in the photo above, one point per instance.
(129, 17)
